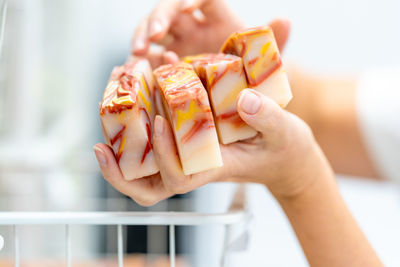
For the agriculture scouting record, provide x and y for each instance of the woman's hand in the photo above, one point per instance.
(178, 31)
(175, 25)
(283, 156)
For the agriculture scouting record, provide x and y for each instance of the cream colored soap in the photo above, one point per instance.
(262, 62)
(142, 65)
(189, 112)
(127, 113)
(223, 76)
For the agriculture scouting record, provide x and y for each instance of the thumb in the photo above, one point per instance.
(263, 114)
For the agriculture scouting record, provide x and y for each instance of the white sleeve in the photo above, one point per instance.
(378, 106)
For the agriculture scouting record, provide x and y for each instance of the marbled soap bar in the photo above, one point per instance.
(138, 64)
(142, 65)
(262, 62)
(127, 112)
(224, 78)
(189, 112)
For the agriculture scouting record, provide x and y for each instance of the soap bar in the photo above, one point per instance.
(262, 62)
(189, 112)
(138, 64)
(127, 112)
(223, 77)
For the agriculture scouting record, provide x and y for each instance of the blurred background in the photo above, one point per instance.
(55, 61)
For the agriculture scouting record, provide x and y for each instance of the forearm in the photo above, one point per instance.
(324, 226)
(328, 105)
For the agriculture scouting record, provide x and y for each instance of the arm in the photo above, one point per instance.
(328, 105)
(331, 113)
(285, 158)
(326, 230)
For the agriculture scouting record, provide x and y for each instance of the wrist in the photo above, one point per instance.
(312, 171)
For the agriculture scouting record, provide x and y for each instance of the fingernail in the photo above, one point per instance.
(155, 28)
(139, 44)
(101, 157)
(249, 102)
(158, 126)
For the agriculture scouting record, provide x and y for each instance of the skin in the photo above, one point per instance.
(284, 156)
(173, 25)
(336, 128)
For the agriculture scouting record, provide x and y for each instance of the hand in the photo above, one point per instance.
(174, 26)
(283, 156)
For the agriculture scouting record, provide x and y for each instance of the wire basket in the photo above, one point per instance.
(235, 215)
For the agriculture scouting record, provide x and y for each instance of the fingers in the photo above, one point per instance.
(161, 18)
(109, 167)
(263, 114)
(281, 29)
(170, 57)
(149, 190)
(145, 191)
(184, 26)
(175, 181)
(140, 42)
(191, 5)
(157, 56)
(167, 157)
(156, 26)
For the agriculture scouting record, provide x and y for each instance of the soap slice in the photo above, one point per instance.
(189, 112)
(127, 112)
(138, 64)
(224, 78)
(262, 62)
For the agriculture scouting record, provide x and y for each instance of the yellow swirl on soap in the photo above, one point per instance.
(182, 116)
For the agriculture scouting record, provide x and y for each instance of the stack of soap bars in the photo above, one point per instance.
(224, 78)
(197, 96)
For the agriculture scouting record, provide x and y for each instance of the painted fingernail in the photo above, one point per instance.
(249, 102)
(155, 28)
(158, 126)
(101, 157)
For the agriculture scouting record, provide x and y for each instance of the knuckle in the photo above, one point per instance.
(181, 190)
(273, 119)
(176, 187)
(297, 133)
